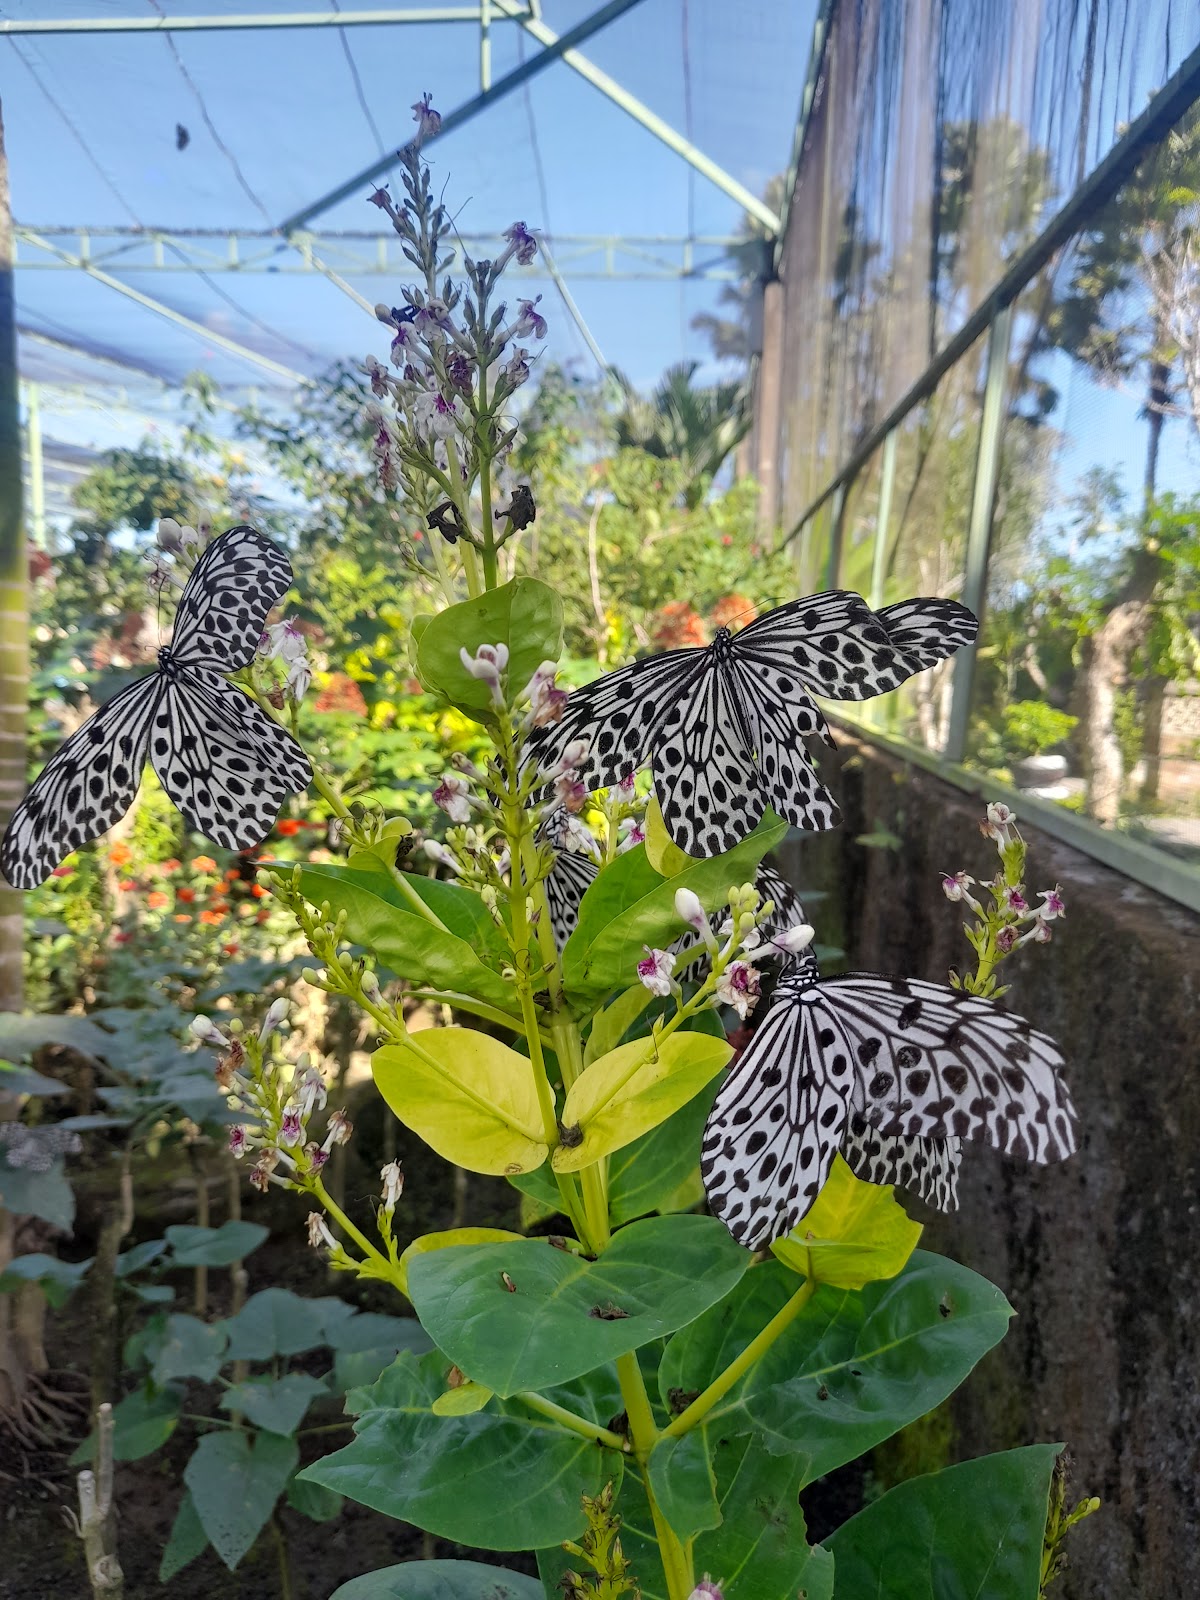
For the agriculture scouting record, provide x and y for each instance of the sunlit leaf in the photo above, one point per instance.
(525, 615)
(853, 1234)
(446, 1238)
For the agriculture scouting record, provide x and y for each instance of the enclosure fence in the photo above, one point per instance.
(980, 376)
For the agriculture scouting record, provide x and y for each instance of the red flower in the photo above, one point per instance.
(287, 829)
(185, 895)
(121, 937)
(62, 872)
(125, 885)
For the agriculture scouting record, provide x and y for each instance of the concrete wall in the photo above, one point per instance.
(1100, 1256)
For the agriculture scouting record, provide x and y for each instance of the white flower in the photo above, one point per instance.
(655, 970)
(393, 1185)
(310, 1090)
(167, 534)
(955, 887)
(792, 940)
(546, 703)
(452, 796)
(273, 1019)
(1053, 905)
(283, 641)
(529, 321)
(318, 1232)
(208, 1033)
(739, 986)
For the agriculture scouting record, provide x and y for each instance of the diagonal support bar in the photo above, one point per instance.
(216, 23)
(207, 334)
(467, 111)
(642, 114)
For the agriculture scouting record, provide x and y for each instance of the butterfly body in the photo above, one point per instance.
(225, 763)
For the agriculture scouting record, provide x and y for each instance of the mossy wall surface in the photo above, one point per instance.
(1100, 1255)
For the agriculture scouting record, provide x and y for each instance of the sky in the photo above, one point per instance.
(276, 118)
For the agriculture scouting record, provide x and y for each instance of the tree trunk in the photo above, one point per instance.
(1106, 654)
(1153, 705)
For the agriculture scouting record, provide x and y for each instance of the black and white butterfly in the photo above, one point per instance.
(225, 763)
(893, 1071)
(570, 877)
(725, 726)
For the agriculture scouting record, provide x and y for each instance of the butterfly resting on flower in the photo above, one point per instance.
(222, 760)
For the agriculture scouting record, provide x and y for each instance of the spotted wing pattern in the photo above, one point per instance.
(704, 774)
(87, 785)
(569, 879)
(775, 1126)
(788, 912)
(916, 1065)
(926, 1167)
(224, 762)
(939, 1064)
(726, 727)
(226, 599)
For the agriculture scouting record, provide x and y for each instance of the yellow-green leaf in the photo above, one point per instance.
(445, 1239)
(855, 1233)
(611, 1025)
(663, 854)
(470, 1098)
(632, 1089)
(463, 1401)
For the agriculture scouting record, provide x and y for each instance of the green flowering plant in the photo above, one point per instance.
(640, 1390)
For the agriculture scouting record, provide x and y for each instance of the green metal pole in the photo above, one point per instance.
(873, 710)
(979, 534)
(836, 519)
(14, 600)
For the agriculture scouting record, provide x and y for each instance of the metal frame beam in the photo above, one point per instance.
(276, 368)
(650, 257)
(467, 111)
(642, 114)
(251, 20)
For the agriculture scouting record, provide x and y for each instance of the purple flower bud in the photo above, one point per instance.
(523, 242)
(1053, 905)
(655, 970)
(237, 1140)
(428, 121)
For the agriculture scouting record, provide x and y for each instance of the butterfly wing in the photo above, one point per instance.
(619, 716)
(226, 599)
(927, 1167)
(787, 913)
(935, 1063)
(834, 645)
(223, 761)
(569, 878)
(781, 717)
(777, 1121)
(87, 784)
(704, 776)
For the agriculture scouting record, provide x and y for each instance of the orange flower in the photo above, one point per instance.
(341, 693)
(172, 865)
(156, 899)
(230, 949)
(186, 895)
(287, 829)
(221, 906)
(203, 864)
(126, 884)
(733, 611)
(678, 626)
(181, 916)
(210, 918)
(262, 915)
(120, 855)
(257, 890)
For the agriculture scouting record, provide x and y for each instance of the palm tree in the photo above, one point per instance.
(697, 427)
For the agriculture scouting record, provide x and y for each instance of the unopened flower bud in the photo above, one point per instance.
(393, 1185)
(204, 1029)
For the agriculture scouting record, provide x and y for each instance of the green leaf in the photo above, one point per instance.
(277, 1405)
(663, 853)
(440, 1580)
(21, 1035)
(649, 1174)
(759, 1550)
(853, 1233)
(214, 1247)
(500, 1479)
(632, 1090)
(189, 1349)
(525, 615)
(188, 1539)
(380, 917)
(684, 1484)
(314, 1502)
(139, 1256)
(24, 1080)
(556, 1323)
(234, 1486)
(446, 1238)
(142, 1423)
(276, 1322)
(629, 905)
(48, 1195)
(973, 1529)
(370, 1344)
(469, 1097)
(854, 1367)
(59, 1279)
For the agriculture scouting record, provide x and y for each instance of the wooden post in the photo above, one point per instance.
(770, 406)
(97, 1521)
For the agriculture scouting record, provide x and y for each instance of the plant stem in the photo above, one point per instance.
(485, 484)
(388, 1269)
(758, 1346)
(677, 1566)
(576, 1424)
